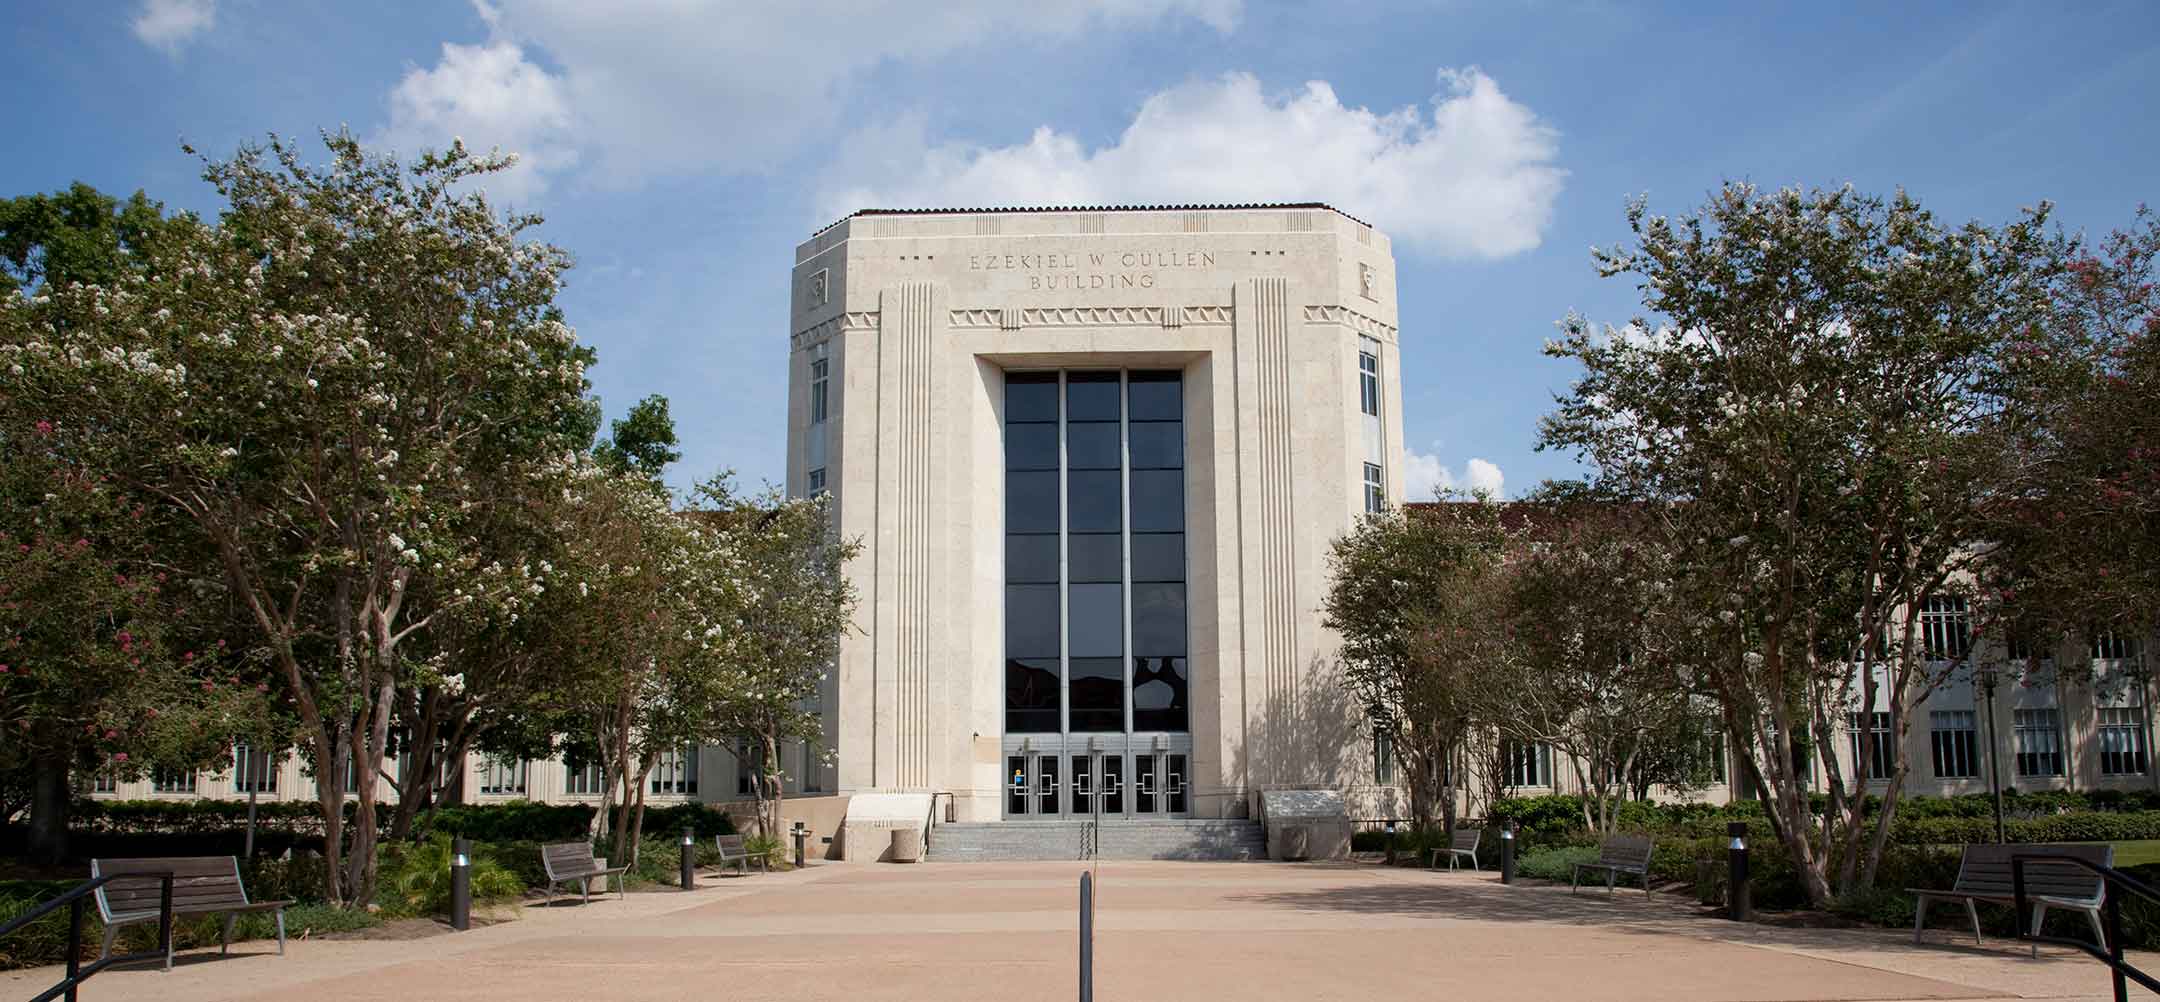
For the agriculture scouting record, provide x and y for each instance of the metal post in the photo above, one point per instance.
(461, 884)
(2114, 945)
(1738, 895)
(1087, 937)
(1988, 679)
(801, 834)
(689, 859)
(74, 957)
(1507, 853)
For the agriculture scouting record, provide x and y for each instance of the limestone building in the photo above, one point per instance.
(1095, 458)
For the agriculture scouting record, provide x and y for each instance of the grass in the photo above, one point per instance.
(2137, 851)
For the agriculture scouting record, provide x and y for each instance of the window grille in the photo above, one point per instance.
(1526, 764)
(500, 778)
(254, 771)
(2122, 740)
(818, 390)
(2111, 645)
(2038, 733)
(104, 782)
(1945, 628)
(1369, 383)
(1884, 756)
(1383, 759)
(172, 781)
(582, 778)
(1955, 738)
(1375, 489)
(676, 772)
(817, 482)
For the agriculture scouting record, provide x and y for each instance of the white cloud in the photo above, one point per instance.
(1426, 478)
(1473, 178)
(171, 24)
(671, 86)
(489, 96)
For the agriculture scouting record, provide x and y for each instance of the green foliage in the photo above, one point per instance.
(45, 941)
(1555, 863)
(77, 235)
(641, 442)
(416, 879)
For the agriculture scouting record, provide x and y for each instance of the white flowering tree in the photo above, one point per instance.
(324, 384)
(1809, 408)
(793, 605)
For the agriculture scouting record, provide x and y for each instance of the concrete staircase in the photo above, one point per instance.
(1121, 839)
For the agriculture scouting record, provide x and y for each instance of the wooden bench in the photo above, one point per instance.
(1984, 875)
(1617, 855)
(202, 885)
(568, 861)
(733, 853)
(1462, 844)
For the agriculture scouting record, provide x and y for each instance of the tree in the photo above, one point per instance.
(108, 660)
(1417, 600)
(1599, 672)
(80, 235)
(323, 384)
(1811, 414)
(641, 442)
(795, 604)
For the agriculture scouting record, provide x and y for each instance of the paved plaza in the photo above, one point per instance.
(1204, 931)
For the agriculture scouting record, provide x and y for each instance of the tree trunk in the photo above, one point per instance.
(778, 792)
(49, 807)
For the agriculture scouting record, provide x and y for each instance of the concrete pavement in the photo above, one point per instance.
(1210, 931)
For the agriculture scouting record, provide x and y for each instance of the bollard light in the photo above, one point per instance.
(1507, 853)
(689, 860)
(1737, 893)
(1390, 826)
(802, 834)
(461, 884)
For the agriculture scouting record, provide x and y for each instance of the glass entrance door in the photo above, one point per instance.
(1159, 784)
(1098, 783)
(1034, 786)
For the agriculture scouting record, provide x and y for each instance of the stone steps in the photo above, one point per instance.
(1122, 839)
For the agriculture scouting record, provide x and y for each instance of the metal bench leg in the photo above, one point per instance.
(105, 950)
(1645, 875)
(2099, 936)
(585, 889)
(1574, 878)
(1973, 911)
(225, 934)
(281, 932)
(1474, 868)
(1611, 877)
(1919, 916)
(2039, 917)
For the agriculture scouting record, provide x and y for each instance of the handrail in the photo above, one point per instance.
(930, 820)
(76, 973)
(2112, 953)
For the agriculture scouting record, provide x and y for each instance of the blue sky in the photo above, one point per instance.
(681, 149)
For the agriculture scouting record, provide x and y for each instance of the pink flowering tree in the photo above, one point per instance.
(109, 662)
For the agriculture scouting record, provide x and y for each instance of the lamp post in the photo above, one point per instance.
(1990, 676)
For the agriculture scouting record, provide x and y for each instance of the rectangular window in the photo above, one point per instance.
(1956, 743)
(1383, 759)
(1945, 628)
(1526, 764)
(104, 782)
(676, 772)
(1375, 489)
(1884, 754)
(2018, 645)
(1095, 618)
(2122, 740)
(2113, 645)
(813, 779)
(818, 370)
(253, 771)
(172, 781)
(817, 482)
(2039, 742)
(582, 779)
(1369, 383)
(1713, 752)
(502, 778)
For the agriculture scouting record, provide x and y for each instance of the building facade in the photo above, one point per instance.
(1095, 459)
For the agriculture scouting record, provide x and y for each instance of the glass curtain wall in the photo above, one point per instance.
(1095, 620)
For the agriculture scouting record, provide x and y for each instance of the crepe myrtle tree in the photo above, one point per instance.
(2079, 529)
(791, 604)
(107, 657)
(323, 384)
(1599, 673)
(1416, 596)
(1808, 406)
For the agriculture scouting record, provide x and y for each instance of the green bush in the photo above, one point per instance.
(45, 941)
(415, 879)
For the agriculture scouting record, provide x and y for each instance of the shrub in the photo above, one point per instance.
(415, 879)
(1556, 863)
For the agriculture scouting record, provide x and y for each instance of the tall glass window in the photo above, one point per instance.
(1955, 737)
(1883, 757)
(2039, 741)
(1375, 489)
(2122, 740)
(1094, 552)
(1369, 383)
(1945, 628)
(819, 380)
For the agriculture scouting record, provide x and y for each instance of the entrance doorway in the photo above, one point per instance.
(1085, 776)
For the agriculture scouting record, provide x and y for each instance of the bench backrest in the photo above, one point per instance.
(199, 882)
(1985, 869)
(1625, 850)
(567, 859)
(730, 845)
(1465, 839)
